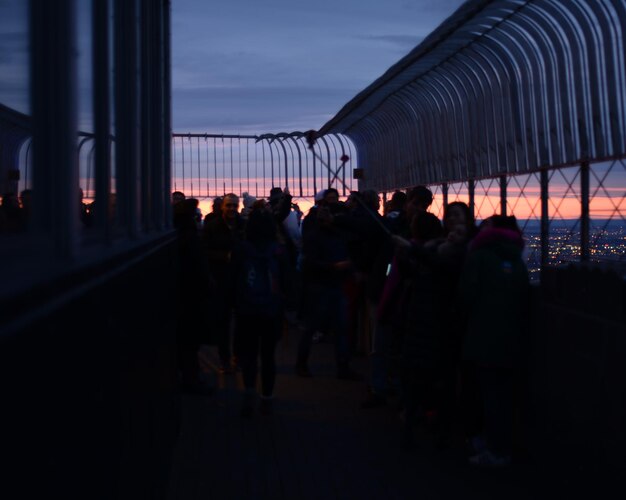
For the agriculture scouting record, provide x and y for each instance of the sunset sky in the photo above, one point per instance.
(252, 67)
(278, 66)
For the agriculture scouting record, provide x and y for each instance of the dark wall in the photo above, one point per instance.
(578, 371)
(88, 392)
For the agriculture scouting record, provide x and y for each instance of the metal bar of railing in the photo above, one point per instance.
(584, 211)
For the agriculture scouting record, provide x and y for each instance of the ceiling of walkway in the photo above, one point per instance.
(502, 86)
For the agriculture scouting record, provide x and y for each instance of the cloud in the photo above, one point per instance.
(255, 109)
(404, 42)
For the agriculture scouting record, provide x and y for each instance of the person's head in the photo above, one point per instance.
(324, 216)
(177, 197)
(458, 221)
(26, 199)
(261, 205)
(248, 200)
(319, 197)
(398, 200)
(501, 222)
(331, 196)
(230, 206)
(352, 202)
(261, 227)
(190, 206)
(276, 195)
(425, 227)
(418, 200)
(217, 204)
(371, 199)
(421, 197)
(9, 200)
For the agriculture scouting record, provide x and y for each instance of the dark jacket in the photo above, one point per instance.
(324, 247)
(257, 274)
(369, 247)
(494, 290)
(423, 344)
(220, 240)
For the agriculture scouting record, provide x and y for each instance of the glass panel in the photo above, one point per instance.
(15, 171)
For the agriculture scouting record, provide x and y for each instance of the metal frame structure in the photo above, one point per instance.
(502, 88)
(280, 160)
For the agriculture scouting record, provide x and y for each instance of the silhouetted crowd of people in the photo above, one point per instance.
(439, 306)
(16, 212)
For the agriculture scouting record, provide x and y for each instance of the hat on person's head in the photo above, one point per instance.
(275, 194)
(319, 196)
(248, 200)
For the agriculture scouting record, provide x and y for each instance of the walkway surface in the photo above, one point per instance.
(319, 444)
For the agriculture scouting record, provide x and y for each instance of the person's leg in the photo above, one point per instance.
(412, 393)
(497, 391)
(248, 346)
(247, 332)
(379, 359)
(187, 348)
(337, 306)
(235, 362)
(471, 401)
(446, 400)
(304, 347)
(188, 364)
(269, 337)
(313, 310)
(222, 327)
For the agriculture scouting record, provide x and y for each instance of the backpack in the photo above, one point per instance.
(257, 283)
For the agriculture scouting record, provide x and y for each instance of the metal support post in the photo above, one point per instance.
(53, 107)
(146, 100)
(471, 189)
(102, 116)
(156, 133)
(167, 115)
(126, 115)
(584, 211)
(444, 191)
(545, 220)
(503, 185)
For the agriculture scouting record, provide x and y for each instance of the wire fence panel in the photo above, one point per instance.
(608, 211)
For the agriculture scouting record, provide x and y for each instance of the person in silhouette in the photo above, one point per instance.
(258, 270)
(220, 236)
(494, 287)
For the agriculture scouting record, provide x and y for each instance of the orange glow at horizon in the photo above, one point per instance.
(485, 206)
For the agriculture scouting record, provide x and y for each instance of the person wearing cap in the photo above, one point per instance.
(248, 201)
